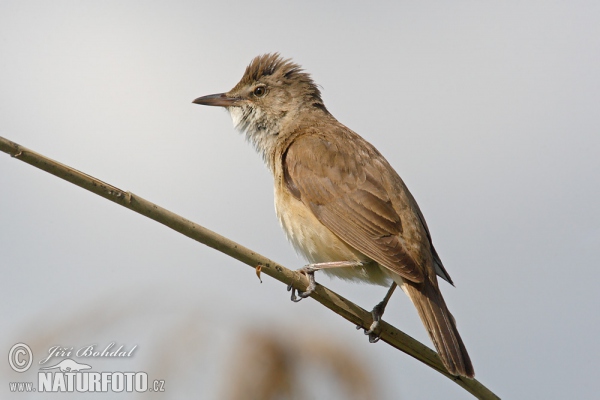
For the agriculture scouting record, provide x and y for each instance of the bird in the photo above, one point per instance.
(341, 204)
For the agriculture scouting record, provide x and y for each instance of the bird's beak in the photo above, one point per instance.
(219, 99)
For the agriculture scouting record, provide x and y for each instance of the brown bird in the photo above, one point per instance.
(339, 201)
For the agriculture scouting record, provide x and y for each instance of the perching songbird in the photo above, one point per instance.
(341, 204)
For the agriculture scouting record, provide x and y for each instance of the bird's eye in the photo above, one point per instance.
(260, 91)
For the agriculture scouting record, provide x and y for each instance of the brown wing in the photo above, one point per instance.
(341, 181)
(437, 261)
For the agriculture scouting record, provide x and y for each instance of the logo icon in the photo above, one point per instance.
(20, 357)
(68, 365)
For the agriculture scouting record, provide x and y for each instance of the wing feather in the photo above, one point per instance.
(345, 192)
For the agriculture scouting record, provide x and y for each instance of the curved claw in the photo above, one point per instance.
(293, 297)
(373, 338)
(312, 285)
(302, 295)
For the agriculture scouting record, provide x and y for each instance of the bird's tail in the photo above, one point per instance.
(441, 327)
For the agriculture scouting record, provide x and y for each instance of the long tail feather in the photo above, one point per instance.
(441, 327)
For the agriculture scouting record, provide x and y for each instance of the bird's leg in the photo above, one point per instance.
(377, 313)
(309, 271)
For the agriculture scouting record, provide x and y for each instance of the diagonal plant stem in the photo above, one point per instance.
(336, 303)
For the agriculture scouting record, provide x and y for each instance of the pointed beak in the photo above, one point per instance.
(219, 99)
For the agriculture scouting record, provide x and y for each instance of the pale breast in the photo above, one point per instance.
(315, 242)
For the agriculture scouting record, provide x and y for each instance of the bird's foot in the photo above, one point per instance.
(309, 271)
(377, 312)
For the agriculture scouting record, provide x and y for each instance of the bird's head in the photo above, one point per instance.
(273, 94)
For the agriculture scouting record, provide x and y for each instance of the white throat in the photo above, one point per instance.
(257, 128)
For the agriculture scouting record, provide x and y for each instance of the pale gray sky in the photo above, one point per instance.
(488, 111)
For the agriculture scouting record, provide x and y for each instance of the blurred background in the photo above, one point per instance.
(489, 112)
